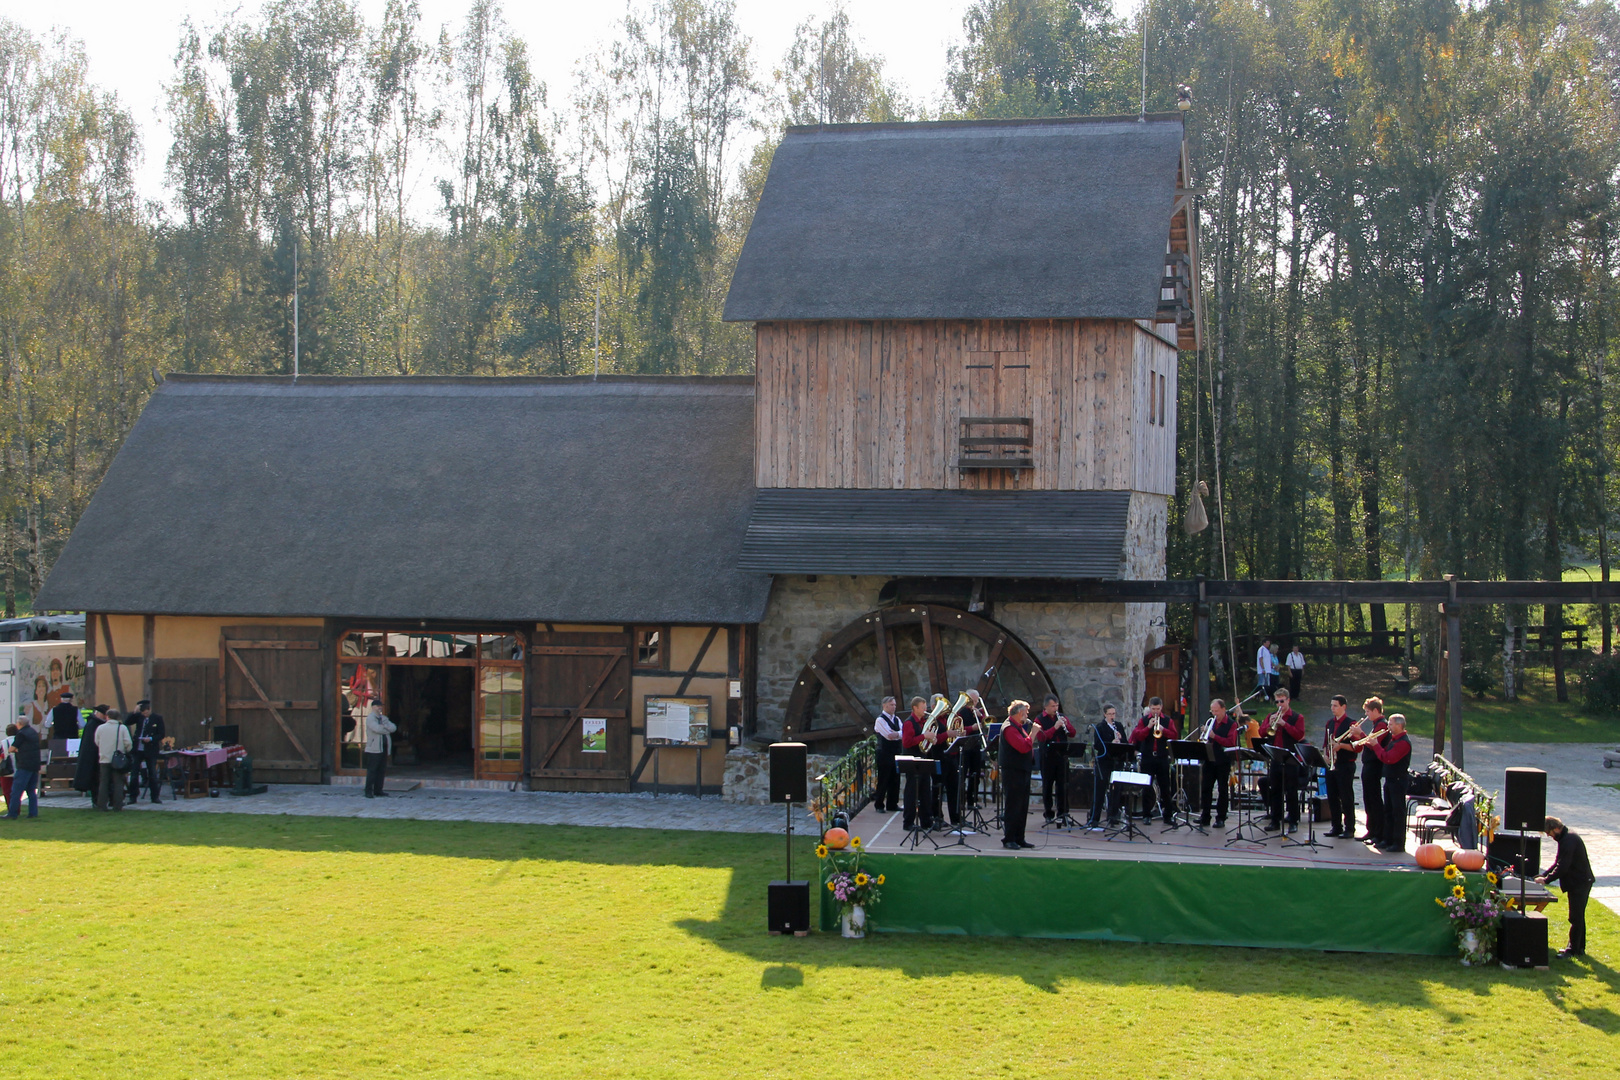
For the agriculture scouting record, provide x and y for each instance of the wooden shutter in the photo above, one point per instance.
(575, 674)
(186, 694)
(271, 688)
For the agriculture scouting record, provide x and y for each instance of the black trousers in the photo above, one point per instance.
(973, 773)
(1576, 898)
(948, 790)
(1372, 797)
(887, 796)
(1158, 767)
(1015, 805)
(1055, 789)
(1282, 787)
(919, 797)
(1217, 775)
(1395, 780)
(145, 771)
(1342, 797)
(1294, 678)
(1101, 777)
(376, 765)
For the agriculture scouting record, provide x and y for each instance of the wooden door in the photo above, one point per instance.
(186, 694)
(271, 688)
(997, 425)
(576, 676)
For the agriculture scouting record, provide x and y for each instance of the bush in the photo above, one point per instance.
(1478, 679)
(1600, 685)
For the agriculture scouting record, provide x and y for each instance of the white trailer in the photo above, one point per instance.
(33, 675)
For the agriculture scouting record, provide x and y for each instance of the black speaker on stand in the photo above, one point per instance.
(1522, 941)
(788, 901)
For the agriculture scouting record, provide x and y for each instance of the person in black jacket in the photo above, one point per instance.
(1052, 731)
(1017, 759)
(1103, 736)
(65, 718)
(149, 734)
(87, 774)
(1573, 870)
(25, 775)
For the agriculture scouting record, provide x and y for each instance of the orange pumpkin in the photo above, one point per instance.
(1430, 856)
(1469, 859)
(836, 838)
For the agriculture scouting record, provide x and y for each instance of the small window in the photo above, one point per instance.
(1153, 401)
(1162, 409)
(652, 647)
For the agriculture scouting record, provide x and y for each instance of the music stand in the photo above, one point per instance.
(973, 816)
(1184, 752)
(918, 766)
(992, 751)
(1121, 757)
(1122, 784)
(1314, 760)
(1245, 806)
(1069, 750)
(961, 829)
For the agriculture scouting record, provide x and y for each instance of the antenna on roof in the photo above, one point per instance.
(1144, 18)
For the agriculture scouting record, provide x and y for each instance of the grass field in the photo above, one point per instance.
(1536, 717)
(169, 945)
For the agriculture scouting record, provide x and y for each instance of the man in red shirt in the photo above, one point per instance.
(1017, 760)
(1284, 729)
(919, 805)
(1052, 732)
(1394, 751)
(1372, 771)
(1152, 738)
(1223, 734)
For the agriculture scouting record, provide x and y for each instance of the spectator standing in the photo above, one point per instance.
(1296, 670)
(379, 745)
(65, 718)
(25, 770)
(87, 774)
(111, 738)
(1265, 668)
(148, 741)
(5, 763)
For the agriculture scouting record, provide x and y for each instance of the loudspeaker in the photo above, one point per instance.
(1524, 800)
(1522, 941)
(790, 764)
(1503, 852)
(789, 908)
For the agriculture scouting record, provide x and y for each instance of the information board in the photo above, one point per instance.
(677, 721)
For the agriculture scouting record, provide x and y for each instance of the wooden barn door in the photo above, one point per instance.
(576, 675)
(186, 694)
(996, 416)
(272, 689)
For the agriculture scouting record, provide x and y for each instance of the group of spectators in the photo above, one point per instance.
(118, 755)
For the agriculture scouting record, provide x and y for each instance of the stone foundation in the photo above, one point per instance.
(748, 776)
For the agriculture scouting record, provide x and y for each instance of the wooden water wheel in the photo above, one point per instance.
(877, 652)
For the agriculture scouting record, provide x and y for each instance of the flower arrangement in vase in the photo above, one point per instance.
(850, 884)
(1475, 914)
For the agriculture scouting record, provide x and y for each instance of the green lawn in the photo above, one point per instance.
(1536, 717)
(169, 945)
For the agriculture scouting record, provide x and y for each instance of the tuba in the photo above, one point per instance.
(930, 728)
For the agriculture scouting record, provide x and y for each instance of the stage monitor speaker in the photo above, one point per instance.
(1503, 852)
(788, 907)
(790, 763)
(1522, 941)
(1524, 800)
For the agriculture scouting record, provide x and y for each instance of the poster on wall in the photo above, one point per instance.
(43, 672)
(595, 729)
(677, 721)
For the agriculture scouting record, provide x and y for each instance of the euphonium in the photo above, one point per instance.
(930, 729)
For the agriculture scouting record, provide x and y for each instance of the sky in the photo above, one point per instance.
(131, 43)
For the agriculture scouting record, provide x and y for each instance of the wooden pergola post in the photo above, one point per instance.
(1453, 613)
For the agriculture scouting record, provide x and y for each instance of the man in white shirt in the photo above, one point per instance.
(887, 726)
(1296, 670)
(1265, 668)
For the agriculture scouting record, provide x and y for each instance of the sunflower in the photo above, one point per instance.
(861, 880)
(829, 886)
(1490, 877)
(855, 843)
(1458, 891)
(1451, 871)
(1439, 901)
(821, 851)
(880, 879)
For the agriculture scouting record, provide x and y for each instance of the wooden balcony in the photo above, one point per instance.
(997, 442)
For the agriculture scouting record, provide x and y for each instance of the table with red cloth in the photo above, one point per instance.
(198, 772)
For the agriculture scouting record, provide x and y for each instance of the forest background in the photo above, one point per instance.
(1408, 218)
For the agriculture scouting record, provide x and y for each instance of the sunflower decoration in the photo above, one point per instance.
(862, 880)
(1437, 900)
(830, 886)
(880, 879)
(821, 851)
(1452, 871)
(855, 843)
(1458, 891)
(1490, 876)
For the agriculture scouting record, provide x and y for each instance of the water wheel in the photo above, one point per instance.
(906, 650)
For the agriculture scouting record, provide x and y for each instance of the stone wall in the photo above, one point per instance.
(748, 775)
(800, 614)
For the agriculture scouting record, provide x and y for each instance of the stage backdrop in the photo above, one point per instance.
(1182, 903)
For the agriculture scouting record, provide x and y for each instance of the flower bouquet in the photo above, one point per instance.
(850, 884)
(1475, 913)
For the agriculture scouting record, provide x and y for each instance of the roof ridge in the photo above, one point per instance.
(1009, 122)
(487, 381)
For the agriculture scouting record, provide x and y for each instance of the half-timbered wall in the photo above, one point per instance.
(852, 404)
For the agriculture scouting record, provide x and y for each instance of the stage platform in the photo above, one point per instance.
(1177, 886)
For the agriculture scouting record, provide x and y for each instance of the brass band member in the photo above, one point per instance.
(1394, 751)
(919, 790)
(1372, 772)
(1284, 729)
(949, 750)
(974, 720)
(887, 727)
(1152, 737)
(1341, 732)
(1103, 736)
(1223, 733)
(1054, 730)
(1017, 761)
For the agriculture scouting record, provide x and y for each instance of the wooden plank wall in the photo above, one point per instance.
(850, 404)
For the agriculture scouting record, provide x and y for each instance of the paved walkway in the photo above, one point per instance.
(634, 811)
